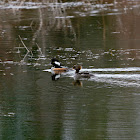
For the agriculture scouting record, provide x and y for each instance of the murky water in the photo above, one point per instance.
(103, 38)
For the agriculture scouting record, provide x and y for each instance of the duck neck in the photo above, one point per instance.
(77, 71)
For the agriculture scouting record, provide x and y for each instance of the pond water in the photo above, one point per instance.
(103, 38)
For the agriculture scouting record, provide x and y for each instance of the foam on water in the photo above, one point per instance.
(122, 80)
(48, 70)
(129, 69)
(119, 76)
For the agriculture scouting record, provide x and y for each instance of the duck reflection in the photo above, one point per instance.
(77, 83)
(56, 74)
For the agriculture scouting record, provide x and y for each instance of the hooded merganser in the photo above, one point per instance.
(57, 68)
(79, 75)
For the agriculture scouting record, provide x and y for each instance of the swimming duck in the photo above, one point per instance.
(57, 68)
(79, 75)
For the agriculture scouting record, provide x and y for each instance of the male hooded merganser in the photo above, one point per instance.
(57, 68)
(79, 75)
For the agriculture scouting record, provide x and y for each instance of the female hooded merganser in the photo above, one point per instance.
(79, 75)
(57, 68)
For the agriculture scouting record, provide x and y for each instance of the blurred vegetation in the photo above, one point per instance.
(59, 1)
(35, 29)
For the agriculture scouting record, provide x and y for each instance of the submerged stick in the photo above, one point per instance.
(23, 44)
(24, 57)
(31, 24)
(39, 49)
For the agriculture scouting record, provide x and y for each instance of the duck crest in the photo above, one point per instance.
(57, 68)
(55, 62)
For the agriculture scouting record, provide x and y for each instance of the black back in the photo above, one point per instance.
(55, 64)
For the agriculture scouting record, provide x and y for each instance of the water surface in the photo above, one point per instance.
(103, 38)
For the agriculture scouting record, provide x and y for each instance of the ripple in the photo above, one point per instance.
(128, 69)
(122, 80)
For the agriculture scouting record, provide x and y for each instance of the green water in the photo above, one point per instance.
(105, 41)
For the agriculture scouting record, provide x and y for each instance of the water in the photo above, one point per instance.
(103, 38)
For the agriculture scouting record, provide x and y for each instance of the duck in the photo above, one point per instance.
(57, 68)
(79, 75)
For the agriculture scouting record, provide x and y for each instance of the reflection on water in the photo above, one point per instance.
(103, 37)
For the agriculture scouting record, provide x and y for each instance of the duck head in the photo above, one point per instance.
(77, 68)
(55, 62)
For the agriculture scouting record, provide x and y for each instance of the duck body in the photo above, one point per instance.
(57, 68)
(82, 75)
(79, 75)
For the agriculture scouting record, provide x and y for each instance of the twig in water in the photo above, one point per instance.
(31, 24)
(24, 57)
(39, 49)
(24, 44)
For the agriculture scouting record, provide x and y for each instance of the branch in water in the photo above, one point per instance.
(39, 49)
(24, 44)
